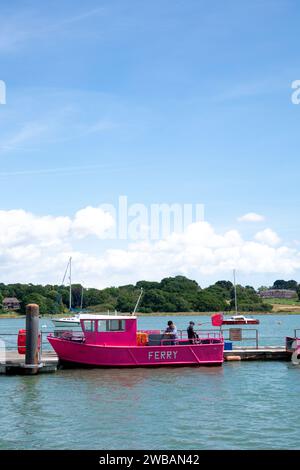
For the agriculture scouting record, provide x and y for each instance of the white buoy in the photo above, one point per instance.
(296, 357)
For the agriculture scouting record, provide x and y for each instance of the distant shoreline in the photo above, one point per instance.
(162, 314)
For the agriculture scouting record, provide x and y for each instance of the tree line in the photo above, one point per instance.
(172, 294)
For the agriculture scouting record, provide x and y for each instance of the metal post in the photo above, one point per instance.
(81, 302)
(70, 285)
(235, 296)
(41, 347)
(32, 338)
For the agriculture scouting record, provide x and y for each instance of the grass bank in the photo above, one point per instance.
(11, 315)
(291, 306)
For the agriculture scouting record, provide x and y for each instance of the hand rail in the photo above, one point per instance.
(187, 341)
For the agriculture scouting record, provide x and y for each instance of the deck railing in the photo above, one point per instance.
(253, 331)
(213, 333)
(67, 334)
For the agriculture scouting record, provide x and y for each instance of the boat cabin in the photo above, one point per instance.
(238, 318)
(115, 330)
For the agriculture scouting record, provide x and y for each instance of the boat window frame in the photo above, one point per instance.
(102, 322)
(121, 325)
(92, 322)
(91, 325)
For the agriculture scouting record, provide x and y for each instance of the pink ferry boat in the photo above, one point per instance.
(113, 341)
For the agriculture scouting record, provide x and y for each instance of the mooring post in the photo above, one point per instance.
(32, 339)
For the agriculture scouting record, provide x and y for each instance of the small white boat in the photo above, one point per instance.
(74, 321)
(240, 320)
(67, 321)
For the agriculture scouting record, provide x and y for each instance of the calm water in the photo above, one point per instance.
(249, 405)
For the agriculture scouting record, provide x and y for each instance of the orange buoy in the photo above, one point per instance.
(141, 338)
(22, 342)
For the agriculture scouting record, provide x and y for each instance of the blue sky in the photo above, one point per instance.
(162, 101)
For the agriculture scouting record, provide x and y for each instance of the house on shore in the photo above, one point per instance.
(11, 303)
(278, 294)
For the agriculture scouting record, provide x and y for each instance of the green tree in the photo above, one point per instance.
(206, 301)
(179, 284)
(248, 300)
(155, 300)
(281, 284)
(225, 285)
(38, 299)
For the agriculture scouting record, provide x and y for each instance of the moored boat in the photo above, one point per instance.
(240, 320)
(237, 319)
(114, 341)
(67, 321)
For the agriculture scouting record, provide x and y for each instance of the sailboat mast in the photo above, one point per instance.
(70, 279)
(81, 303)
(235, 296)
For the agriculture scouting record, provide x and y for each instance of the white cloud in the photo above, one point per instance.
(27, 25)
(249, 89)
(19, 227)
(57, 120)
(92, 221)
(268, 237)
(251, 217)
(36, 248)
(59, 170)
(29, 132)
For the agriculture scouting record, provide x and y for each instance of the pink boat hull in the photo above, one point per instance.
(137, 356)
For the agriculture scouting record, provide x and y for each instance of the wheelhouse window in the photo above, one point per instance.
(115, 325)
(102, 325)
(90, 326)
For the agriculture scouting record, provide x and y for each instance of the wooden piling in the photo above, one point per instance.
(32, 339)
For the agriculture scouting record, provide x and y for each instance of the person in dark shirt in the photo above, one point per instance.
(192, 335)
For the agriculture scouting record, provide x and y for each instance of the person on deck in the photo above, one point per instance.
(171, 332)
(192, 335)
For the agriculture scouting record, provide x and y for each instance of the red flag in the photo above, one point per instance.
(217, 319)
